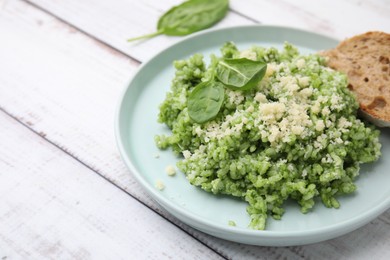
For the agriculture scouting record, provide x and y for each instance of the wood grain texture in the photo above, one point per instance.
(321, 16)
(121, 20)
(55, 208)
(67, 89)
(64, 85)
(340, 20)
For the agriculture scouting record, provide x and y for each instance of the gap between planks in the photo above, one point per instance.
(35, 20)
(109, 181)
(51, 141)
(109, 48)
(81, 218)
(112, 32)
(106, 45)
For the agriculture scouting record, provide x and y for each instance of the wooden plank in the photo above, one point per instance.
(381, 7)
(342, 19)
(123, 19)
(53, 207)
(65, 86)
(369, 242)
(319, 16)
(70, 99)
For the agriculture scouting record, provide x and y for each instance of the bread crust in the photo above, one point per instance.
(365, 58)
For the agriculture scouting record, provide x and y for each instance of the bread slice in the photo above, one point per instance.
(365, 59)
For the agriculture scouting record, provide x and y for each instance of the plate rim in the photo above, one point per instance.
(199, 222)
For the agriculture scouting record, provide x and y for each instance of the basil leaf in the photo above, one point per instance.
(240, 74)
(205, 101)
(190, 16)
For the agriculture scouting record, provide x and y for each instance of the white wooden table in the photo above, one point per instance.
(64, 191)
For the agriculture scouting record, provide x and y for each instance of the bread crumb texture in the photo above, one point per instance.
(365, 59)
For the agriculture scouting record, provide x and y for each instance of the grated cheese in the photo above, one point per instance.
(170, 170)
(160, 185)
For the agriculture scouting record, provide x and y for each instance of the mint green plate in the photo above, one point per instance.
(136, 126)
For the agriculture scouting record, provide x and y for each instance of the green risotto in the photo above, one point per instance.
(294, 135)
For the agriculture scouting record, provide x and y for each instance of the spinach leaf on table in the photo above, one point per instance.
(240, 74)
(189, 17)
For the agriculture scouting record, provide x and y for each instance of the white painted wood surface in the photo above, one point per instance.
(64, 192)
(54, 207)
